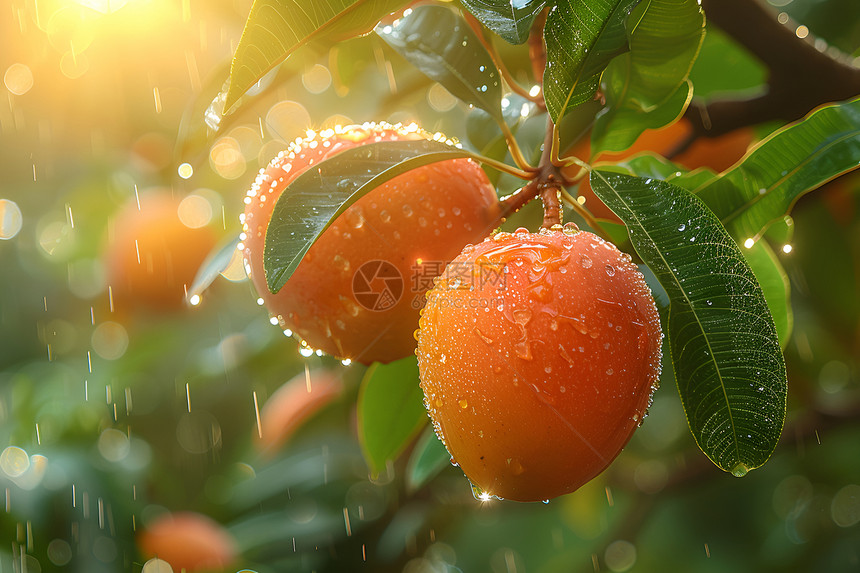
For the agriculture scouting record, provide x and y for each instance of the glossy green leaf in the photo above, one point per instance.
(277, 28)
(798, 158)
(437, 41)
(218, 260)
(775, 286)
(318, 196)
(582, 36)
(651, 166)
(647, 88)
(390, 410)
(623, 122)
(647, 165)
(428, 459)
(724, 345)
(724, 66)
(510, 19)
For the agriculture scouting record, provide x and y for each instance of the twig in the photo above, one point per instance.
(478, 29)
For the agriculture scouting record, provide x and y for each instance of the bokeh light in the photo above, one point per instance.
(74, 65)
(440, 99)
(620, 556)
(18, 79)
(156, 565)
(59, 552)
(11, 219)
(226, 158)
(195, 211)
(287, 120)
(110, 340)
(317, 79)
(71, 29)
(14, 461)
(845, 507)
(113, 445)
(185, 170)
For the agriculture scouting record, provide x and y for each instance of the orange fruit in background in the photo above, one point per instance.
(189, 541)
(152, 257)
(357, 292)
(294, 403)
(538, 354)
(717, 153)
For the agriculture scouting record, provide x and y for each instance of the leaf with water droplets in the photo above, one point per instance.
(725, 349)
(277, 28)
(581, 39)
(318, 196)
(798, 158)
(390, 410)
(775, 286)
(510, 19)
(437, 41)
(648, 88)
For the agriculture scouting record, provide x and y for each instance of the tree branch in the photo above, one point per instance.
(800, 77)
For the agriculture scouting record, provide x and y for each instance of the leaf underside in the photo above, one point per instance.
(509, 19)
(277, 28)
(438, 42)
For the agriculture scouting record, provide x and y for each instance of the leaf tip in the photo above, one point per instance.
(740, 470)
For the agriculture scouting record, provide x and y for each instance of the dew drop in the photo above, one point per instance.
(341, 263)
(570, 229)
(464, 404)
(517, 467)
(610, 270)
(585, 261)
(682, 226)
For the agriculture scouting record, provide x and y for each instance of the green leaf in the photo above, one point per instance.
(621, 124)
(318, 196)
(217, 261)
(277, 28)
(390, 410)
(649, 165)
(509, 19)
(582, 36)
(724, 66)
(437, 41)
(648, 87)
(428, 459)
(775, 286)
(764, 186)
(725, 349)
